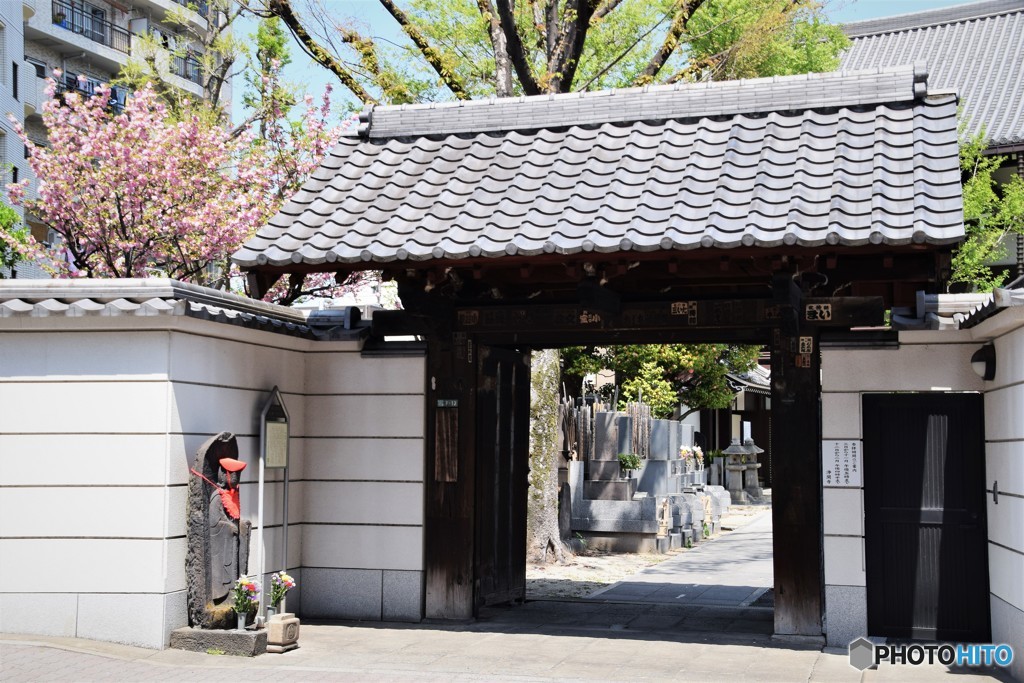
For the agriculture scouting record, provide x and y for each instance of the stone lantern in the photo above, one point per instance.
(750, 481)
(735, 467)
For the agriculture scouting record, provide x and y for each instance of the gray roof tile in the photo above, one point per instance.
(802, 172)
(976, 49)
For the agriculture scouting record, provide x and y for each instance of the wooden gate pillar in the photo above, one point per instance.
(450, 476)
(796, 495)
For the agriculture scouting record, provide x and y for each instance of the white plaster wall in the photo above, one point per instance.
(362, 550)
(90, 525)
(219, 384)
(117, 408)
(1004, 467)
(924, 362)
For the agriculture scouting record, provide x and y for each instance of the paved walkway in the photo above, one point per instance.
(707, 635)
(733, 570)
(714, 587)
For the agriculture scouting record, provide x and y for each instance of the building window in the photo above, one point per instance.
(14, 175)
(3, 53)
(14, 79)
(38, 65)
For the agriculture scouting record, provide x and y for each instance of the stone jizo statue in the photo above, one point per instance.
(218, 538)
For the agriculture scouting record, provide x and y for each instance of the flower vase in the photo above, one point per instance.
(280, 606)
(271, 611)
(242, 620)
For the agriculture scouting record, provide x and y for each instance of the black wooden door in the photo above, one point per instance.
(926, 553)
(502, 421)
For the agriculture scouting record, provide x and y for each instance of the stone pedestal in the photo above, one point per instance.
(282, 632)
(222, 641)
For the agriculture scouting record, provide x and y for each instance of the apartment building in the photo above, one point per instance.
(90, 42)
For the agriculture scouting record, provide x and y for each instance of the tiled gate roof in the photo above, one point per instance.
(823, 159)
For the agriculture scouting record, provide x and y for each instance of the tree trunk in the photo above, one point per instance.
(542, 509)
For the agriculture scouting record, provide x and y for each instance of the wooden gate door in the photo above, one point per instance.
(503, 427)
(926, 553)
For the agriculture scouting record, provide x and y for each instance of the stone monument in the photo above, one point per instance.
(218, 539)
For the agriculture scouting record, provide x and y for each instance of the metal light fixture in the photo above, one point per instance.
(984, 362)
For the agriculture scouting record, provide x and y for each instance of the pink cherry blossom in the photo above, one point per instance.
(141, 192)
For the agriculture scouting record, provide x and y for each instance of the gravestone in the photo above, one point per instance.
(661, 433)
(605, 437)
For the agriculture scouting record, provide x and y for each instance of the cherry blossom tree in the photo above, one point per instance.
(143, 192)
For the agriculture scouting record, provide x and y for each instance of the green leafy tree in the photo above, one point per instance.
(650, 386)
(16, 243)
(272, 55)
(991, 212)
(695, 374)
(473, 48)
(753, 38)
(205, 55)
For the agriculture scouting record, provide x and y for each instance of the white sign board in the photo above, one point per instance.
(841, 463)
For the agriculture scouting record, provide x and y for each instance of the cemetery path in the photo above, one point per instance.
(733, 570)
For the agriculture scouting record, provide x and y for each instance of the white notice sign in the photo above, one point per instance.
(841, 463)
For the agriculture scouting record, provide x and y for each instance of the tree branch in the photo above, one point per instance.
(569, 46)
(283, 9)
(685, 10)
(605, 8)
(499, 43)
(431, 54)
(622, 56)
(516, 52)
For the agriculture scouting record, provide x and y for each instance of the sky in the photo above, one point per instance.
(314, 78)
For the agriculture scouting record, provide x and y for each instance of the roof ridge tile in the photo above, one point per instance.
(651, 102)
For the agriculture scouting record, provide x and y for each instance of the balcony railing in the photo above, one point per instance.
(88, 89)
(87, 21)
(188, 68)
(200, 6)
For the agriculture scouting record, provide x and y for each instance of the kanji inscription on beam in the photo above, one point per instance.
(841, 463)
(818, 312)
(687, 309)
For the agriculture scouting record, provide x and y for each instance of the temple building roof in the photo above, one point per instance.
(974, 49)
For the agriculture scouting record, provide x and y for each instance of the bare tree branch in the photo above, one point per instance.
(499, 43)
(605, 7)
(684, 11)
(608, 67)
(569, 46)
(431, 54)
(283, 9)
(516, 52)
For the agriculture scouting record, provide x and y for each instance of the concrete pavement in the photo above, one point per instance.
(474, 652)
(706, 636)
(734, 569)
